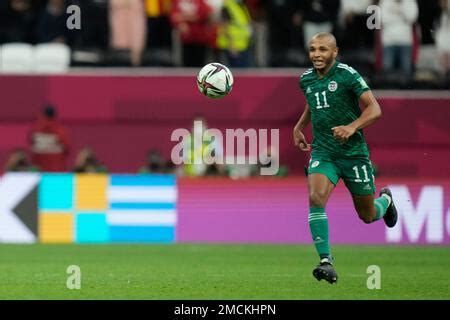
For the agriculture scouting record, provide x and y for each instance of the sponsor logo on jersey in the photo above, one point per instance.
(315, 164)
(308, 90)
(367, 187)
(332, 86)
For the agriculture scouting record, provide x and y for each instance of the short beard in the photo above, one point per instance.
(327, 63)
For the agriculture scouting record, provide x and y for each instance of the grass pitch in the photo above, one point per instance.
(200, 271)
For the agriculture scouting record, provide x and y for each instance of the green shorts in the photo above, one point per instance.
(356, 172)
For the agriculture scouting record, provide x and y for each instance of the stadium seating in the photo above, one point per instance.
(51, 58)
(42, 58)
(16, 58)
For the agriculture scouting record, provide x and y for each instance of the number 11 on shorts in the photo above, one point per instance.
(366, 176)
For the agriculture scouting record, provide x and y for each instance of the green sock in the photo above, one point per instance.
(381, 205)
(318, 225)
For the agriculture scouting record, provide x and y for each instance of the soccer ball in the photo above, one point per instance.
(215, 80)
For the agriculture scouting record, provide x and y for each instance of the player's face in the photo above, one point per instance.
(322, 53)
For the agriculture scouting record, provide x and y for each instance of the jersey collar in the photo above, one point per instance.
(329, 73)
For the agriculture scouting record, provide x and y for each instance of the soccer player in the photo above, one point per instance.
(333, 92)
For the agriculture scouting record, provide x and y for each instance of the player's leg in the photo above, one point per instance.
(320, 188)
(359, 179)
(321, 181)
(371, 210)
(390, 216)
(365, 207)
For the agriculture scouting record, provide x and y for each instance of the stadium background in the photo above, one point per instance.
(123, 111)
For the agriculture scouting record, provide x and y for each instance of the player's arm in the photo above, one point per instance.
(371, 113)
(299, 137)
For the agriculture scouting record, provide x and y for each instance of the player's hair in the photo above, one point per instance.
(325, 35)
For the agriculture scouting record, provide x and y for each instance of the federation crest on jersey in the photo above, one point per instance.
(315, 164)
(332, 86)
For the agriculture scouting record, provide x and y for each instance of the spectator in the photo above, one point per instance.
(51, 25)
(215, 17)
(128, 28)
(318, 16)
(353, 19)
(425, 55)
(155, 164)
(284, 30)
(17, 20)
(429, 11)
(19, 162)
(234, 34)
(199, 146)
(443, 37)
(49, 142)
(398, 18)
(191, 19)
(159, 31)
(87, 162)
(94, 33)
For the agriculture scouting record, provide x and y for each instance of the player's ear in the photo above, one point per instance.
(335, 52)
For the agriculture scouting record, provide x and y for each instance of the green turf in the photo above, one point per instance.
(188, 271)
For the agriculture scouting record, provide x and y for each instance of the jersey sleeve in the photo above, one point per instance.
(302, 80)
(357, 84)
(300, 84)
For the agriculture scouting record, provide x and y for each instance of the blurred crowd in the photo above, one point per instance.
(413, 43)
(49, 147)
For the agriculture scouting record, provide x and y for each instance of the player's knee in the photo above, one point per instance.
(317, 198)
(366, 216)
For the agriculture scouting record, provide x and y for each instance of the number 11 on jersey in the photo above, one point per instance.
(319, 105)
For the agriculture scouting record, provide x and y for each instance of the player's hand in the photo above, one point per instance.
(343, 133)
(300, 141)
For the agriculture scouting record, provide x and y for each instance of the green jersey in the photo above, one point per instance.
(334, 101)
